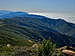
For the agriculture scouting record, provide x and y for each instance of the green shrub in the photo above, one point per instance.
(47, 48)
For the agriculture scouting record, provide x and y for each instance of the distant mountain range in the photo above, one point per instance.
(36, 27)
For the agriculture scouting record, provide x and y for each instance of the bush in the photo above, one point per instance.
(47, 48)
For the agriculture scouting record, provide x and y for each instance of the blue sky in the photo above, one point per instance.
(63, 7)
(39, 5)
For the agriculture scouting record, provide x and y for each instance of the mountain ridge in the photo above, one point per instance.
(36, 27)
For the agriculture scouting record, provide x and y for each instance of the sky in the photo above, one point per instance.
(50, 8)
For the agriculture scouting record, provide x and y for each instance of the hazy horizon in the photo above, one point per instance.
(50, 8)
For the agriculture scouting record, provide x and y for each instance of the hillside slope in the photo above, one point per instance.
(32, 29)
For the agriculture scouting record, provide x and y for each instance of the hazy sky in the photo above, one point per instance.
(50, 8)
